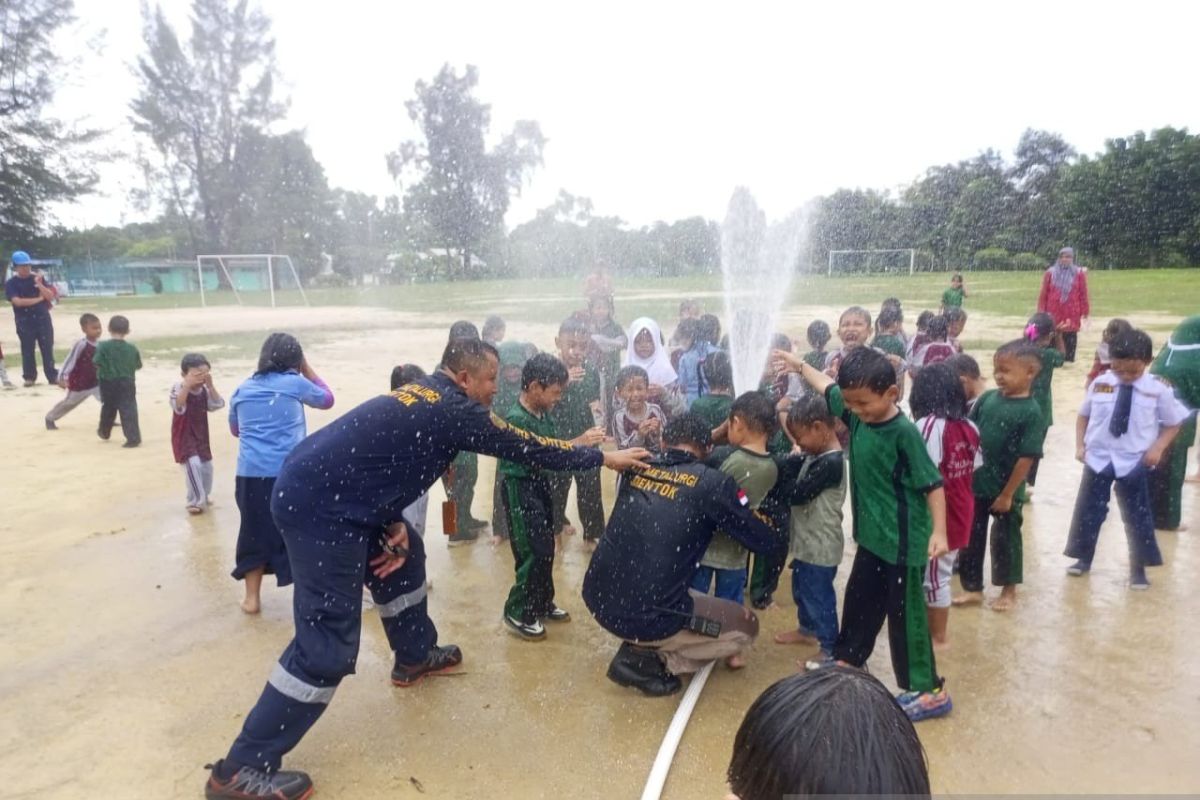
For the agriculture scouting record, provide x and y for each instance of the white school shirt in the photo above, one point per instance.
(1154, 406)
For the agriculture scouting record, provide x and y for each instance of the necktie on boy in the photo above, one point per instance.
(1120, 418)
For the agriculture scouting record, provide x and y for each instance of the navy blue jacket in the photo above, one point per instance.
(637, 584)
(365, 467)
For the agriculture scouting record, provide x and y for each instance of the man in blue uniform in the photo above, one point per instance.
(338, 503)
(31, 302)
(637, 585)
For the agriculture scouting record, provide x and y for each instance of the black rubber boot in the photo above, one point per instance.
(642, 669)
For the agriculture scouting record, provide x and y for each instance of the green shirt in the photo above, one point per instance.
(712, 408)
(116, 358)
(952, 297)
(520, 417)
(816, 514)
(890, 475)
(755, 474)
(1040, 389)
(890, 344)
(1010, 428)
(573, 414)
(816, 359)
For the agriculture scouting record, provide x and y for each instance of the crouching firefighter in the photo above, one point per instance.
(338, 502)
(637, 586)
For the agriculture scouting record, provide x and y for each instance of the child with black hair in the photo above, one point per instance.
(636, 421)
(956, 322)
(529, 501)
(818, 336)
(751, 424)
(835, 731)
(816, 495)
(939, 407)
(78, 373)
(889, 307)
(608, 340)
(695, 347)
(1126, 423)
(1042, 334)
(117, 361)
(936, 348)
(1012, 432)
(854, 328)
(969, 376)
(713, 407)
(689, 308)
(710, 329)
(922, 335)
(493, 330)
(954, 296)
(1103, 360)
(579, 412)
(192, 399)
(899, 515)
(887, 337)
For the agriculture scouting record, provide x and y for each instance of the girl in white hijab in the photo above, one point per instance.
(646, 350)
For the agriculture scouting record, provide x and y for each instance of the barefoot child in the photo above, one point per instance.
(529, 502)
(817, 543)
(1012, 431)
(117, 361)
(899, 514)
(266, 413)
(637, 422)
(939, 407)
(1126, 423)
(78, 373)
(192, 399)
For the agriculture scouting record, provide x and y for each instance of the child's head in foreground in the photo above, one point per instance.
(633, 387)
(829, 731)
(969, 376)
(542, 382)
(751, 419)
(1131, 352)
(493, 329)
(1015, 365)
(937, 392)
(281, 352)
(572, 341)
(1115, 328)
(688, 430)
(818, 335)
(405, 374)
(854, 326)
(463, 329)
(194, 364)
(811, 425)
(90, 325)
(118, 325)
(868, 383)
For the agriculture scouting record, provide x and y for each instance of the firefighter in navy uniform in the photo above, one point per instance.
(637, 585)
(338, 503)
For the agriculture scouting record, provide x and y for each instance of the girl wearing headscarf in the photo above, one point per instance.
(647, 350)
(1064, 297)
(1179, 365)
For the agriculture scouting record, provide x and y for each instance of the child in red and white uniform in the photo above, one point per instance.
(78, 373)
(192, 399)
(936, 349)
(939, 405)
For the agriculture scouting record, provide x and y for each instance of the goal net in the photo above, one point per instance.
(861, 262)
(249, 279)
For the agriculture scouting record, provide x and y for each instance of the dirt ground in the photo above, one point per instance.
(126, 664)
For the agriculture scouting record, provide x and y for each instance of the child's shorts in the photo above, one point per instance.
(937, 580)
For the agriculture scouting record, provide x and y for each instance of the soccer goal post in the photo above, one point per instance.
(893, 260)
(252, 271)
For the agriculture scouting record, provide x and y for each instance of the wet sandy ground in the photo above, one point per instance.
(125, 663)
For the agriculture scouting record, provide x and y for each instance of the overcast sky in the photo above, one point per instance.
(656, 110)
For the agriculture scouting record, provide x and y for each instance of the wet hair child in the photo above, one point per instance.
(834, 731)
(939, 407)
(529, 502)
(637, 422)
(117, 361)
(1012, 432)
(694, 342)
(936, 349)
(973, 384)
(892, 479)
(579, 411)
(493, 330)
(192, 399)
(956, 321)
(818, 336)
(1126, 423)
(922, 335)
(1102, 361)
(713, 407)
(816, 497)
(688, 309)
(854, 328)
(710, 329)
(78, 373)
(889, 307)
(751, 424)
(1041, 333)
(954, 296)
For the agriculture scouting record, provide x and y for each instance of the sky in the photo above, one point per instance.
(658, 110)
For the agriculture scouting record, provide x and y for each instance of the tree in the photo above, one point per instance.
(198, 104)
(458, 190)
(42, 159)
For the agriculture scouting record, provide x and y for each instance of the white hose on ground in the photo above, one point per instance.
(666, 753)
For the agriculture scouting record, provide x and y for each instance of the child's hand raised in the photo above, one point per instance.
(589, 438)
(576, 374)
(783, 362)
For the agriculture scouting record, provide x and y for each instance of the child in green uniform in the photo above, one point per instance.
(579, 411)
(116, 363)
(954, 296)
(1049, 343)
(899, 522)
(528, 502)
(513, 356)
(818, 335)
(1011, 434)
(713, 407)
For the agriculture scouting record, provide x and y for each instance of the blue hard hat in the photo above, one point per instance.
(19, 258)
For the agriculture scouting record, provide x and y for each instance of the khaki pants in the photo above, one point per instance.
(687, 651)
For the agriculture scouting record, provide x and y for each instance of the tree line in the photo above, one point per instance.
(222, 177)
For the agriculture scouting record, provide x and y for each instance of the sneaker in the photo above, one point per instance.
(29, 383)
(821, 661)
(103, 436)
(131, 444)
(526, 630)
(248, 782)
(642, 669)
(438, 660)
(50, 426)
(462, 536)
(925, 705)
(1079, 568)
(1139, 583)
(557, 615)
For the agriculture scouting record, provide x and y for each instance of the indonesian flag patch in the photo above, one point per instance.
(742, 498)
